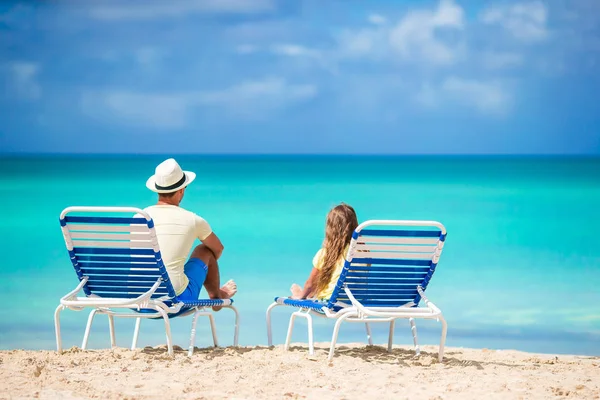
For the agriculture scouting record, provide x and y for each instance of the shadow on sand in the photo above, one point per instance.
(371, 354)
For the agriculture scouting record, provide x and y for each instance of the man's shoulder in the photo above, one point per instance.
(155, 210)
(188, 212)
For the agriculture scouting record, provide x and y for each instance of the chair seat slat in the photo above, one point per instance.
(121, 278)
(395, 256)
(391, 268)
(109, 283)
(122, 272)
(103, 250)
(385, 303)
(400, 299)
(399, 233)
(105, 220)
(388, 286)
(132, 266)
(385, 280)
(142, 244)
(395, 240)
(124, 295)
(395, 248)
(391, 275)
(111, 236)
(132, 259)
(124, 289)
(107, 228)
(392, 290)
(387, 261)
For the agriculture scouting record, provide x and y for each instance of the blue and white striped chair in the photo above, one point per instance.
(387, 269)
(121, 272)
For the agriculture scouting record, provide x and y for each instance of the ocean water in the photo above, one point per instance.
(520, 269)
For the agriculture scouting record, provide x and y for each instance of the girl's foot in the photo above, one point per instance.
(296, 291)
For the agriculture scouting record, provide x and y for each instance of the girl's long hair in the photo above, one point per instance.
(341, 222)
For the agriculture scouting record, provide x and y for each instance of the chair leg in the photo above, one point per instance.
(88, 327)
(236, 333)
(269, 332)
(111, 326)
(413, 328)
(334, 337)
(289, 332)
(369, 337)
(57, 328)
(165, 317)
(391, 337)
(193, 333)
(136, 333)
(311, 344)
(443, 338)
(213, 330)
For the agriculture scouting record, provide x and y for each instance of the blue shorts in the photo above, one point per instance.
(196, 271)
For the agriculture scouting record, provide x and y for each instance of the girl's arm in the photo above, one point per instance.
(310, 286)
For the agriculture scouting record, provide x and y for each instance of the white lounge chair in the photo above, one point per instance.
(120, 270)
(388, 267)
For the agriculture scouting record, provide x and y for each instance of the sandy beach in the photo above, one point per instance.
(357, 372)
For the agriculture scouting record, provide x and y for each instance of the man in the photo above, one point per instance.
(177, 230)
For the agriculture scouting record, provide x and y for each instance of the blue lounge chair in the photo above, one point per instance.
(121, 272)
(387, 269)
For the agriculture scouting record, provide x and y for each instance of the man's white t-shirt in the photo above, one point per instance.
(176, 231)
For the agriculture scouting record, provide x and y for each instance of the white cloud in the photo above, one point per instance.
(489, 97)
(24, 80)
(416, 35)
(151, 9)
(295, 50)
(524, 21)
(299, 51)
(253, 99)
(377, 19)
(372, 43)
(156, 110)
(253, 95)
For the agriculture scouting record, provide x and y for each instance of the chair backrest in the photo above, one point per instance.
(388, 260)
(119, 254)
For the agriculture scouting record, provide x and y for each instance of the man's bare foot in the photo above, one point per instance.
(226, 292)
(296, 291)
(228, 289)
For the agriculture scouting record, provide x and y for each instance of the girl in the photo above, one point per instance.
(329, 260)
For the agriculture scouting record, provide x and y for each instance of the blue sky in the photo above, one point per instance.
(268, 76)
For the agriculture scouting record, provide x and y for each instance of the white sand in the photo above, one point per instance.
(357, 372)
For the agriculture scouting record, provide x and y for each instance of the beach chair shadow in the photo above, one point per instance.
(120, 270)
(405, 357)
(388, 267)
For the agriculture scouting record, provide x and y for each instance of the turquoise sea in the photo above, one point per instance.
(520, 269)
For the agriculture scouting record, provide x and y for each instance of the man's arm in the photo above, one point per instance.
(214, 244)
(207, 236)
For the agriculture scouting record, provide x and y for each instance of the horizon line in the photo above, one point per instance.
(299, 155)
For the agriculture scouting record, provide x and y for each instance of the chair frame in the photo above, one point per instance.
(357, 312)
(112, 307)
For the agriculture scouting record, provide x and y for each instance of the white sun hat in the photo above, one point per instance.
(169, 177)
